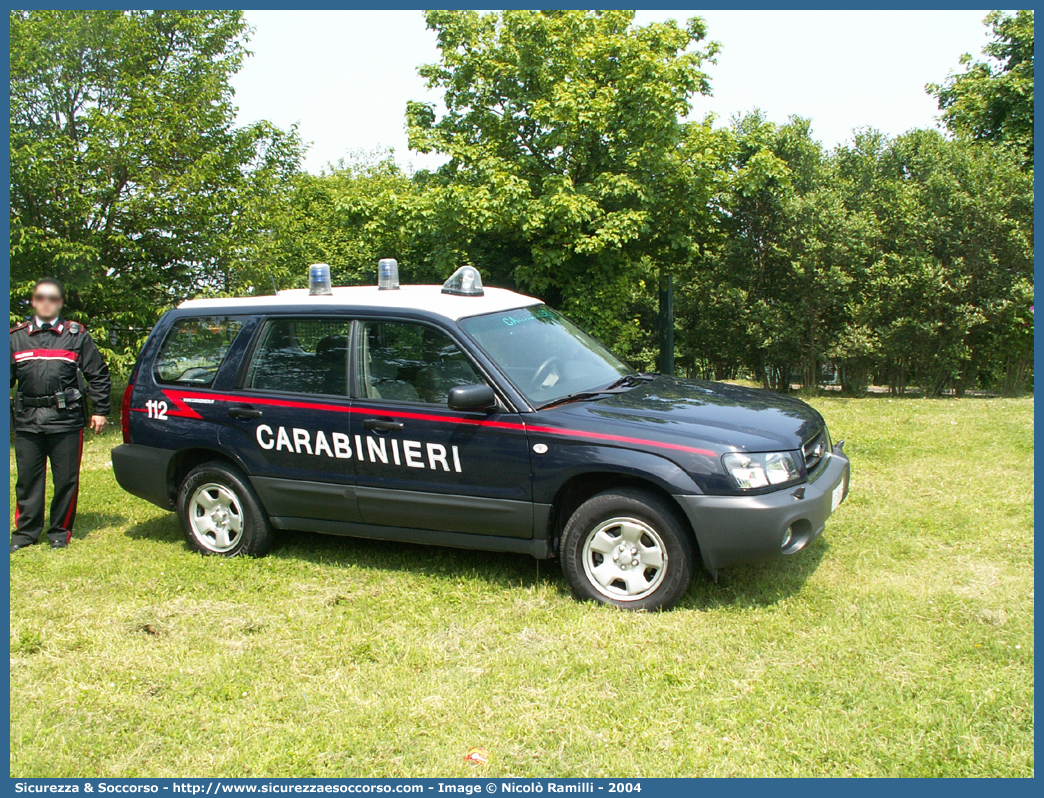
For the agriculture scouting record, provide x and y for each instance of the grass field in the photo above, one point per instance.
(901, 644)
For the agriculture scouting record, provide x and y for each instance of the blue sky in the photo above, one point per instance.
(345, 76)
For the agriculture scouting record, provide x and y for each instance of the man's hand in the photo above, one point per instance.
(98, 424)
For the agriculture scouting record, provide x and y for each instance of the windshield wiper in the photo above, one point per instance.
(626, 381)
(571, 397)
(630, 380)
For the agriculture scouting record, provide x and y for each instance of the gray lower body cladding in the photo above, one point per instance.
(732, 530)
(142, 471)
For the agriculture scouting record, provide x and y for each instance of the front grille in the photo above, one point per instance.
(815, 449)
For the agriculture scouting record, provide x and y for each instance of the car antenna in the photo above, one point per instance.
(275, 288)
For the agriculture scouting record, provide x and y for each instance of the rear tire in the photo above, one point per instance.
(628, 548)
(220, 513)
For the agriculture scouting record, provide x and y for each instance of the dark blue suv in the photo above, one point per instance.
(476, 418)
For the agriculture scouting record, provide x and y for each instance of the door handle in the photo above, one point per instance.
(244, 412)
(382, 424)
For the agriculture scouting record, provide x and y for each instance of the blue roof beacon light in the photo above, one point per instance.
(465, 281)
(319, 280)
(387, 274)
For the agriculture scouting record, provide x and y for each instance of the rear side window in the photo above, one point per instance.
(302, 356)
(194, 350)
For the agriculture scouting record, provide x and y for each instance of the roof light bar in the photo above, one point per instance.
(465, 281)
(319, 280)
(387, 274)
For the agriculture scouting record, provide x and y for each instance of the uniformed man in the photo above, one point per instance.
(48, 354)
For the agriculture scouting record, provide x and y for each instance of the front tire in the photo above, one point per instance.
(628, 548)
(220, 513)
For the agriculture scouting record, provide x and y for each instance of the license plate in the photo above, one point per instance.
(837, 495)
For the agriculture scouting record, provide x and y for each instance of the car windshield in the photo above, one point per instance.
(547, 357)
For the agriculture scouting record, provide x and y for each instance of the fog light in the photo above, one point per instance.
(788, 538)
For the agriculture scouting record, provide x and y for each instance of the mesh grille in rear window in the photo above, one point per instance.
(194, 350)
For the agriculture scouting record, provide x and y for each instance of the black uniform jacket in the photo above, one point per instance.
(45, 362)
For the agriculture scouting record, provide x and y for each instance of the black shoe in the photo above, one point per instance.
(16, 546)
(59, 544)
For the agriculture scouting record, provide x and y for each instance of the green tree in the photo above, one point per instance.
(350, 216)
(772, 292)
(569, 174)
(992, 100)
(945, 297)
(129, 178)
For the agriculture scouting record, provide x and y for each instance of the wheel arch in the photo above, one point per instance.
(581, 487)
(186, 459)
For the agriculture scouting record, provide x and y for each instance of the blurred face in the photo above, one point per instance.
(47, 301)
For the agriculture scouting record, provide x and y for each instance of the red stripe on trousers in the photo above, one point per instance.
(70, 515)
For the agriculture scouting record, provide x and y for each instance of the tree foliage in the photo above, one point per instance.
(574, 173)
(895, 260)
(567, 150)
(350, 216)
(992, 100)
(129, 178)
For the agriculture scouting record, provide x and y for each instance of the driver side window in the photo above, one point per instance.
(407, 362)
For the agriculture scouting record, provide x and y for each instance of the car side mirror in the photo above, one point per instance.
(472, 397)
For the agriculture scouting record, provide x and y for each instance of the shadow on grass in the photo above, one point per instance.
(497, 568)
(164, 527)
(742, 586)
(758, 585)
(88, 522)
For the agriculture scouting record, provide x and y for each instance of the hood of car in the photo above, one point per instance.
(700, 413)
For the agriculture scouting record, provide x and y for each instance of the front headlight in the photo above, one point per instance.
(752, 471)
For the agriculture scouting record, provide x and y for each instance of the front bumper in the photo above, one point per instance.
(741, 529)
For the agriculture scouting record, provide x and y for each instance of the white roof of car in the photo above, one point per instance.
(428, 298)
